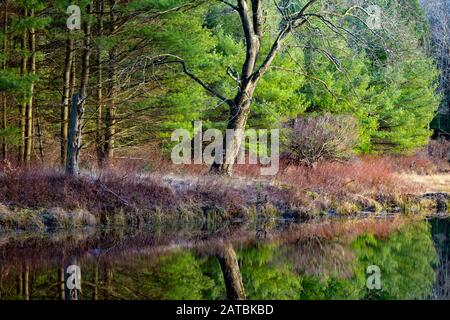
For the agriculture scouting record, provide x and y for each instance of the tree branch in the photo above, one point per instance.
(292, 23)
(162, 59)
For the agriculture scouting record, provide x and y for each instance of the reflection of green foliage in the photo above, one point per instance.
(211, 269)
(266, 275)
(329, 288)
(405, 259)
(177, 276)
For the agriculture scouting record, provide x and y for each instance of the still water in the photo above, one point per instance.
(260, 260)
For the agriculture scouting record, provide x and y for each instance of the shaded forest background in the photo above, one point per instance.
(392, 81)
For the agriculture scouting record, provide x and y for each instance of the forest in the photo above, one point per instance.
(349, 101)
(91, 93)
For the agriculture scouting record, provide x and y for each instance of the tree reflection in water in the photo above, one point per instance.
(318, 260)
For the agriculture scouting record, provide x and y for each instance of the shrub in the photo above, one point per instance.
(439, 149)
(322, 137)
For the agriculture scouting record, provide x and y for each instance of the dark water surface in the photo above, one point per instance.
(275, 260)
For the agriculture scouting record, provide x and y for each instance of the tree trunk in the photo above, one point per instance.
(23, 105)
(29, 125)
(61, 284)
(99, 124)
(66, 97)
(77, 110)
(39, 134)
(5, 103)
(19, 284)
(108, 282)
(74, 139)
(26, 281)
(111, 112)
(96, 278)
(239, 112)
(231, 273)
(86, 60)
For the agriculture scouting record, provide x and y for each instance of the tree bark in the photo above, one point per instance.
(29, 116)
(99, 124)
(239, 112)
(231, 273)
(40, 134)
(86, 60)
(74, 139)
(112, 108)
(61, 284)
(5, 102)
(66, 97)
(77, 110)
(26, 281)
(23, 105)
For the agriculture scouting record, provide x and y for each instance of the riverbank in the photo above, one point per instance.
(44, 198)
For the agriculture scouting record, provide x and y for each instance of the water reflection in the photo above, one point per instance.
(319, 260)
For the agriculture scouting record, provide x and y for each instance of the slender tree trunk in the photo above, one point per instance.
(39, 134)
(111, 112)
(5, 102)
(26, 281)
(108, 282)
(1, 282)
(23, 105)
(96, 278)
(86, 60)
(231, 273)
(4, 126)
(99, 125)
(61, 284)
(19, 284)
(66, 96)
(29, 126)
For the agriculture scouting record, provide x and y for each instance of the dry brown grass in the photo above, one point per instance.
(428, 183)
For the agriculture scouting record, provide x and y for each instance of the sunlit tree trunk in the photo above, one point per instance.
(26, 281)
(66, 97)
(112, 90)
(99, 125)
(29, 116)
(23, 105)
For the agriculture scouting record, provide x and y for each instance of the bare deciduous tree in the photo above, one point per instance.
(256, 65)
